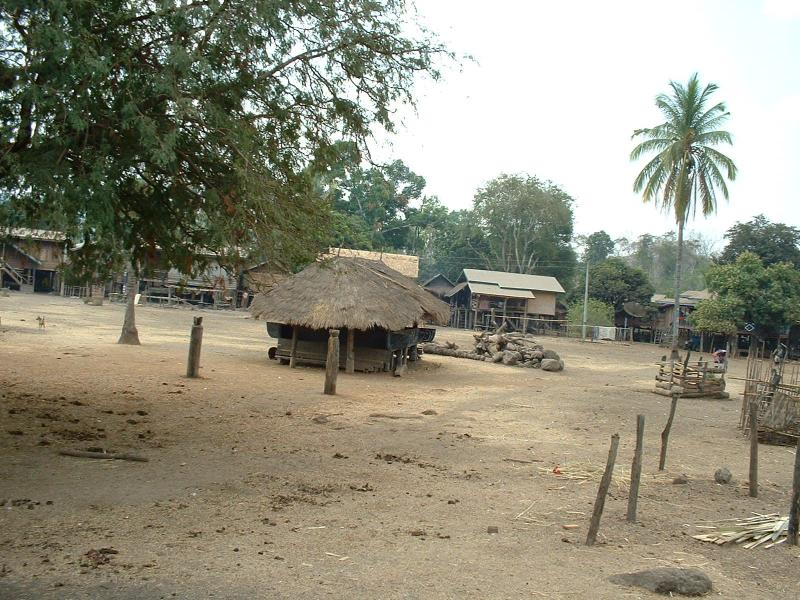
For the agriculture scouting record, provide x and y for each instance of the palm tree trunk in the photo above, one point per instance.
(130, 335)
(677, 312)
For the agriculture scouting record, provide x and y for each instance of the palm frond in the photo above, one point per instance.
(718, 158)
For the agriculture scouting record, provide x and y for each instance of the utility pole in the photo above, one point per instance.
(585, 301)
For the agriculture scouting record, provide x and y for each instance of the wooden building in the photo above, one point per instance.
(481, 299)
(31, 260)
(662, 320)
(380, 314)
(438, 285)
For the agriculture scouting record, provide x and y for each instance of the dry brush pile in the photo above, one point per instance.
(513, 349)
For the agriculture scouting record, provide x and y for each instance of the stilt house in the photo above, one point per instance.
(380, 314)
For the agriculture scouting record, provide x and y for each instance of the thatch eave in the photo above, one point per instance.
(349, 293)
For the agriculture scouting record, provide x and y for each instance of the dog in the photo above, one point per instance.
(42, 324)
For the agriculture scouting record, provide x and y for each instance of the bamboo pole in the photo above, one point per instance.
(794, 508)
(350, 361)
(293, 352)
(602, 491)
(662, 460)
(754, 449)
(332, 362)
(636, 470)
(195, 344)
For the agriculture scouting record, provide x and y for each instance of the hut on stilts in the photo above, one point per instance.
(379, 314)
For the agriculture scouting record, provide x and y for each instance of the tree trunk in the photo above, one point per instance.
(676, 315)
(130, 335)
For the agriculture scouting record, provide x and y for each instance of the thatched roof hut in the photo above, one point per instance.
(349, 293)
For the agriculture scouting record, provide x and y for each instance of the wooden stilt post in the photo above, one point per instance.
(332, 362)
(794, 509)
(195, 343)
(754, 449)
(350, 361)
(662, 460)
(636, 470)
(293, 351)
(400, 365)
(602, 491)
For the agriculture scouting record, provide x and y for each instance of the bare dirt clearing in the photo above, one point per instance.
(258, 486)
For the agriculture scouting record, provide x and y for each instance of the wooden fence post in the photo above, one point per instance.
(293, 351)
(636, 470)
(350, 359)
(662, 460)
(195, 343)
(332, 362)
(794, 509)
(602, 491)
(754, 449)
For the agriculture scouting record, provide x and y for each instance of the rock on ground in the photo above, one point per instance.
(666, 580)
(552, 364)
(723, 475)
(551, 354)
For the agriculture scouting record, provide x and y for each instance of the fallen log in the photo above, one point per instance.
(105, 455)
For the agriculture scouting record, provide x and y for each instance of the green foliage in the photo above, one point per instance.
(598, 247)
(178, 128)
(746, 290)
(527, 226)
(614, 282)
(657, 257)
(687, 170)
(772, 242)
(598, 313)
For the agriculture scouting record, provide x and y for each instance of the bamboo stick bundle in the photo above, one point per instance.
(769, 530)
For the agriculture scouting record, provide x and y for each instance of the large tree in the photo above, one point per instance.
(657, 255)
(748, 291)
(687, 171)
(598, 246)
(615, 283)
(527, 225)
(772, 242)
(173, 128)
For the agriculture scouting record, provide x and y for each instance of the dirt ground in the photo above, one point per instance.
(259, 486)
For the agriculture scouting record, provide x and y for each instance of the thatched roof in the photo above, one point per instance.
(353, 293)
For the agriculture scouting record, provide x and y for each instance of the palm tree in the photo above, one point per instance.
(687, 172)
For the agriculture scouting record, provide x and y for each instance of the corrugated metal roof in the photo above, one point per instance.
(488, 289)
(514, 281)
(457, 288)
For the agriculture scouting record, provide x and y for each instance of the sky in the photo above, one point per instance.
(557, 88)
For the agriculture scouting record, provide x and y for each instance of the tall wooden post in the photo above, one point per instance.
(332, 362)
(602, 491)
(195, 342)
(794, 509)
(753, 449)
(662, 460)
(350, 360)
(636, 470)
(293, 351)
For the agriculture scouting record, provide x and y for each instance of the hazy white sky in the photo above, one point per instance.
(559, 86)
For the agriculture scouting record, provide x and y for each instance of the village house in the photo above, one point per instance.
(438, 285)
(483, 299)
(31, 259)
(380, 315)
(662, 320)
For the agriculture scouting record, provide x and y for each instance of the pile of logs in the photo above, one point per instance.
(690, 380)
(513, 349)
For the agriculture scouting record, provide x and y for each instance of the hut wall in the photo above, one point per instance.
(543, 304)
